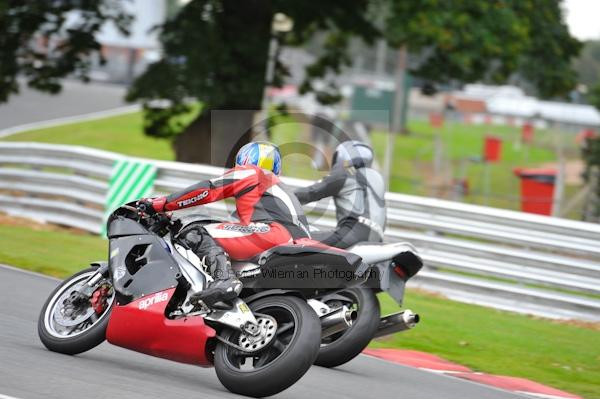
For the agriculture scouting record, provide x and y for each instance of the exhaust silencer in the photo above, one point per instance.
(396, 322)
(336, 321)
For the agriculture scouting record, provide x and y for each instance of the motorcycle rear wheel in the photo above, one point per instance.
(83, 336)
(279, 365)
(346, 345)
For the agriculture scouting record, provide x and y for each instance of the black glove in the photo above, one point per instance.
(145, 207)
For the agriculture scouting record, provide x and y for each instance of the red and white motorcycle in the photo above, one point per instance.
(260, 343)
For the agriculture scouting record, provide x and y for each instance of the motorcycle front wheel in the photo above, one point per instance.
(283, 361)
(344, 346)
(74, 326)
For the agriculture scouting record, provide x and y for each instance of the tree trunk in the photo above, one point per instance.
(215, 137)
(226, 124)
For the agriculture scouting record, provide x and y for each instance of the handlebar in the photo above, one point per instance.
(129, 208)
(158, 223)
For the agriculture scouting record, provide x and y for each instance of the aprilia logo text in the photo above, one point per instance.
(192, 200)
(154, 299)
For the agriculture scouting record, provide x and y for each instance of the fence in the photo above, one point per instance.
(504, 259)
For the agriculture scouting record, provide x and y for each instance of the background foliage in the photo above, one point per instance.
(42, 44)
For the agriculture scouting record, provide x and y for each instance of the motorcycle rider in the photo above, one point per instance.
(268, 211)
(358, 192)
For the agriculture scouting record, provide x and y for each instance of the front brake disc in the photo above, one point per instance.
(67, 314)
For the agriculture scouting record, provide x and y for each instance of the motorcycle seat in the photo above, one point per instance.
(304, 264)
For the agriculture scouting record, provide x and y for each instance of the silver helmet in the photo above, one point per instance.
(353, 153)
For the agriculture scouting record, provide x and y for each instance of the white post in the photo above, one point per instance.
(559, 183)
(281, 23)
(268, 80)
(486, 182)
(397, 114)
(380, 57)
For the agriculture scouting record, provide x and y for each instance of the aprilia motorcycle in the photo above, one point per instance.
(260, 343)
(391, 266)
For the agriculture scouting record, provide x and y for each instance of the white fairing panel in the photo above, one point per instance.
(375, 253)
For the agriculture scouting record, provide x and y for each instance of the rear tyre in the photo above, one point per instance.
(80, 330)
(283, 361)
(345, 346)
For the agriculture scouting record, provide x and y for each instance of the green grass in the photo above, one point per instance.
(412, 168)
(413, 156)
(563, 356)
(297, 155)
(57, 253)
(123, 134)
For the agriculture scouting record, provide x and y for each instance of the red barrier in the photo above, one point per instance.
(584, 135)
(537, 190)
(527, 133)
(492, 149)
(436, 120)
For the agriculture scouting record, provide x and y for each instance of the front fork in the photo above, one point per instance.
(87, 289)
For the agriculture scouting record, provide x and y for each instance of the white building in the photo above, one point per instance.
(128, 56)
(511, 103)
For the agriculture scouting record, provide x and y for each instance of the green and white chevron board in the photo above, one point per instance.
(129, 181)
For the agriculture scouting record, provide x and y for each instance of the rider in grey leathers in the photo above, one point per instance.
(358, 192)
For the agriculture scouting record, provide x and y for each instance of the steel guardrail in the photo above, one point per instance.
(501, 258)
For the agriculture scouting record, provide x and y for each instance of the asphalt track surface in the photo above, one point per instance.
(29, 371)
(76, 98)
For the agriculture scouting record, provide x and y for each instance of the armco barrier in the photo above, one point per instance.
(492, 257)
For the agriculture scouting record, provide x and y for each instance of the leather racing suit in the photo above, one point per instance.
(358, 193)
(269, 215)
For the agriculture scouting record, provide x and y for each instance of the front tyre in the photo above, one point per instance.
(346, 345)
(282, 362)
(73, 327)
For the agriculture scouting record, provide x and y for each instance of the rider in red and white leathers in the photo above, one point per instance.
(269, 215)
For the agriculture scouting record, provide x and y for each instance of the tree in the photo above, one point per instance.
(587, 65)
(471, 41)
(216, 52)
(594, 95)
(591, 175)
(41, 43)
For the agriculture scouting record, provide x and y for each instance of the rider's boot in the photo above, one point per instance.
(225, 287)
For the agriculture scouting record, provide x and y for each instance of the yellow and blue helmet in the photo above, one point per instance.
(263, 154)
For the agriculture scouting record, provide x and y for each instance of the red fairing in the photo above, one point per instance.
(142, 326)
